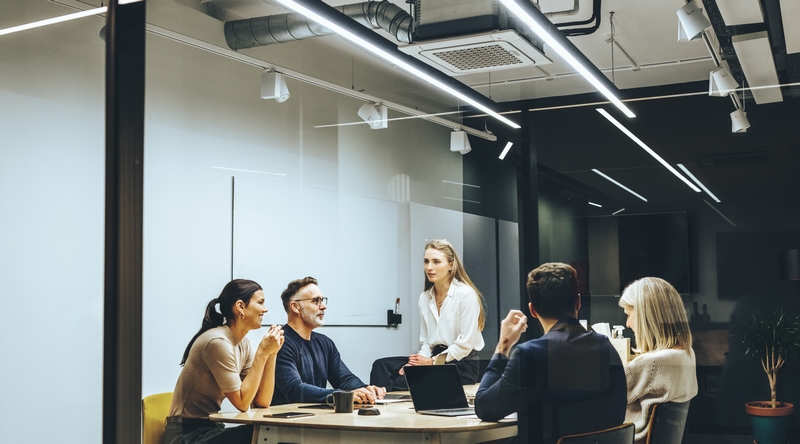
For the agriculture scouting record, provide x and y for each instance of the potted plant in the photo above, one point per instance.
(774, 338)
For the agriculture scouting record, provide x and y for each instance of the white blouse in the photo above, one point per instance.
(457, 324)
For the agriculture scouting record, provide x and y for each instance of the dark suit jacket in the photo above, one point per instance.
(568, 381)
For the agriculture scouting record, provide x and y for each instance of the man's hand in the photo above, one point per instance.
(379, 392)
(510, 330)
(365, 395)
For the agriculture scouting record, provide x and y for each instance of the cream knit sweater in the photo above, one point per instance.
(658, 377)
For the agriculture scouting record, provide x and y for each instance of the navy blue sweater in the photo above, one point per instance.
(304, 367)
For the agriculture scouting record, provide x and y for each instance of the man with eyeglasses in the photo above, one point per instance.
(309, 360)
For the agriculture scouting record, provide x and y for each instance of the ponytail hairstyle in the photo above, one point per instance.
(235, 290)
(458, 273)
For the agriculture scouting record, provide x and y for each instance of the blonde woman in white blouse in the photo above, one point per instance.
(452, 318)
(664, 371)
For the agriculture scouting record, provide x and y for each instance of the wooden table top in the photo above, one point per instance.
(394, 417)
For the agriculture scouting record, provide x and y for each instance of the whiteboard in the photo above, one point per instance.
(283, 231)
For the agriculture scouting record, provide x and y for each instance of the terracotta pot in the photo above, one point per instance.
(770, 425)
(764, 408)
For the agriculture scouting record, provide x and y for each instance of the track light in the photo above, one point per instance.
(739, 122)
(691, 22)
(273, 86)
(459, 142)
(374, 115)
(721, 82)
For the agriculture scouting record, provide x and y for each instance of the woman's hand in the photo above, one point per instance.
(419, 360)
(272, 341)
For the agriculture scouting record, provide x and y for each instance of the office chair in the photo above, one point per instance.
(667, 423)
(621, 434)
(155, 409)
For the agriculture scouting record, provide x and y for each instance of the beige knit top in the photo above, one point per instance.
(658, 377)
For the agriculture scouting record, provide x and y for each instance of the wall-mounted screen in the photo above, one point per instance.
(654, 245)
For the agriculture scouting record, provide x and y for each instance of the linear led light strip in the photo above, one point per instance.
(63, 18)
(620, 185)
(633, 137)
(565, 54)
(697, 181)
(390, 58)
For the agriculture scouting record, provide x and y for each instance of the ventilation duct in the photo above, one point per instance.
(453, 36)
(269, 30)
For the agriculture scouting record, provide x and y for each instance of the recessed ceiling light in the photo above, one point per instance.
(620, 185)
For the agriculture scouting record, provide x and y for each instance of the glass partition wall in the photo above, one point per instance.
(52, 98)
(241, 186)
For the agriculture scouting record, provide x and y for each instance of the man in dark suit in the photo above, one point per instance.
(568, 381)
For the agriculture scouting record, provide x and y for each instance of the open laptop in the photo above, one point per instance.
(437, 390)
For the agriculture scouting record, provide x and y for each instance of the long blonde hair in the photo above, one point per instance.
(660, 320)
(458, 273)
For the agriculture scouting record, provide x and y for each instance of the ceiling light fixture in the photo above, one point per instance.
(375, 115)
(595, 205)
(618, 211)
(633, 137)
(459, 142)
(505, 150)
(697, 181)
(721, 82)
(327, 16)
(619, 185)
(539, 24)
(54, 20)
(739, 122)
(691, 22)
(273, 86)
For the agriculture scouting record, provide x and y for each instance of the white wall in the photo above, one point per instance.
(201, 111)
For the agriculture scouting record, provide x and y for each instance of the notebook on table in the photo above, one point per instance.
(437, 390)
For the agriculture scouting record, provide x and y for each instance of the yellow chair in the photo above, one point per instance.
(155, 409)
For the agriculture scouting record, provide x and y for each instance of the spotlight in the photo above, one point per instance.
(374, 115)
(721, 82)
(739, 122)
(273, 86)
(691, 22)
(459, 142)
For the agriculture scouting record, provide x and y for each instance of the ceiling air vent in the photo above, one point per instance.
(738, 157)
(478, 53)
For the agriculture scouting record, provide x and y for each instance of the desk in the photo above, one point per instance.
(397, 423)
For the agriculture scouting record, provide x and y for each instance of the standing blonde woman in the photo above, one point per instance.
(452, 318)
(664, 371)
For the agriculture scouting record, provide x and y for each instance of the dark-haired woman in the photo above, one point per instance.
(219, 363)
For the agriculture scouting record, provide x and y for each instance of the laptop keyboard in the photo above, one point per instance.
(466, 410)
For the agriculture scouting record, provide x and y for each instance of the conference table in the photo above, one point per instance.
(397, 423)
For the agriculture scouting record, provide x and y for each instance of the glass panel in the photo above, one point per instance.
(52, 98)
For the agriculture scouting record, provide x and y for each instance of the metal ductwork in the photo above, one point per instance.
(263, 31)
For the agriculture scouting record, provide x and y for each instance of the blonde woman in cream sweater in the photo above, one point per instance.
(664, 371)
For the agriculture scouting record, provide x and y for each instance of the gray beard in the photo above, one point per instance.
(311, 318)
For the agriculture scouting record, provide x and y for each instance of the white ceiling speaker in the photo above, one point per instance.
(374, 115)
(273, 86)
(691, 22)
(459, 142)
(739, 122)
(721, 82)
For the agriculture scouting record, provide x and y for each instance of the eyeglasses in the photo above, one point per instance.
(316, 301)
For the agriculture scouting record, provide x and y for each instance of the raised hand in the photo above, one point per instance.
(511, 328)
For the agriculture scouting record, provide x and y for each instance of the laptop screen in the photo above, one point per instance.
(435, 387)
